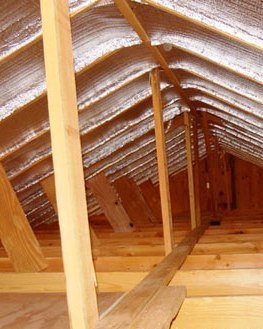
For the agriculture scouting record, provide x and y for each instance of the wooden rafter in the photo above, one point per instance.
(70, 188)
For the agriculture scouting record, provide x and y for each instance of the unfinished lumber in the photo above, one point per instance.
(210, 163)
(220, 282)
(132, 303)
(133, 202)
(161, 309)
(67, 160)
(235, 312)
(196, 169)
(162, 162)
(223, 261)
(152, 198)
(110, 203)
(48, 185)
(16, 233)
(191, 187)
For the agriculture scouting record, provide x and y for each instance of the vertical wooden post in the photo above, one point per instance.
(162, 162)
(226, 181)
(187, 125)
(69, 177)
(196, 170)
(16, 233)
(209, 162)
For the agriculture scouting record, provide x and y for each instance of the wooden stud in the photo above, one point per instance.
(210, 163)
(110, 203)
(16, 233)
(70, 188)
(196, 170)
(133, 202)
(162, 162)
(191, 186)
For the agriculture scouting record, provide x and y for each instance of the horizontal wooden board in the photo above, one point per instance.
(242, 312)
(220, 282)
(223, 261)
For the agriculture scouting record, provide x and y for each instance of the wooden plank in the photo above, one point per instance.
(228, 248)
(162, 163)
(55, 282)
(16, 233)
(220, 282)
(239, 312)
(223, 261)
(133, 302)
(196, 170)
(152, 198)
(191, 186)
(133, 202)
(70, 188)
(210, 163)
(161, 309)
(110, 203)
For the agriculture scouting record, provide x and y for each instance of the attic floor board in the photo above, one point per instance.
(37, 311)
(239, 312)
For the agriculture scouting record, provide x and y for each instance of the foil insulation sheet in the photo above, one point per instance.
(240, 19)
(219, 74)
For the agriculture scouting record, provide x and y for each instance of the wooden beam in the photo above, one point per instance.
(191, 186)
(133, 202)
(48, 185)
(210, 165)
(152, 197)
(16, 233)
(110, 203)
(196, 170)
(70, 188)
(133, 302)
(226, 179)
(162, 163)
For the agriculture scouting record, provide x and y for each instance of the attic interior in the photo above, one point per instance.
(131, 176)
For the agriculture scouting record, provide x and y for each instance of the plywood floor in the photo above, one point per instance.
(41, 311)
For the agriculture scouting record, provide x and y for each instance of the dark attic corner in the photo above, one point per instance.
(131, 168)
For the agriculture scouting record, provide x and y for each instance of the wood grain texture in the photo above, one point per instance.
(132, 303)
(220, 282)
(38, 311)
(152, 197)
(191, 185)
(239, 312)
(16, 234)
(161, 309)
(133, 202)
(48, 185)
(67, 160)
(162, 162)
(110, 203)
